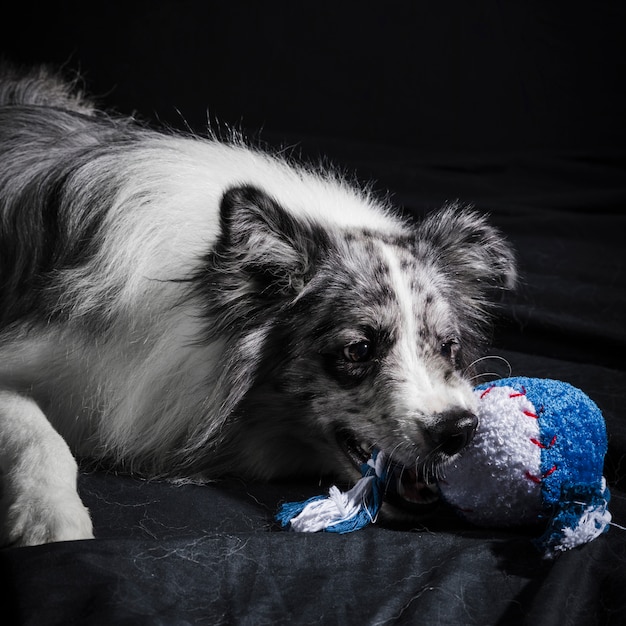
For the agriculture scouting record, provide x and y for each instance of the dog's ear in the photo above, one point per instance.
(262, 240)
(468, 249)
(475, 261)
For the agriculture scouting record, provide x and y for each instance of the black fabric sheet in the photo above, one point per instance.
(516, 107)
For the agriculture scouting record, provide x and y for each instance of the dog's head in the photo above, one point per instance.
(355, 338)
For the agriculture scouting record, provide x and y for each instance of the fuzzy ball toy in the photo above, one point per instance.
(537, 459)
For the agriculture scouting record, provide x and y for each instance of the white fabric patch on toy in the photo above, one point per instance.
(496, 482)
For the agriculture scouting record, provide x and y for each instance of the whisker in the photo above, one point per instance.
(495, 375)
(390, 457)
(390, 463)
(489, 358)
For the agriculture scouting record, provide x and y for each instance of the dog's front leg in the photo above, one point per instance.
(38, 498)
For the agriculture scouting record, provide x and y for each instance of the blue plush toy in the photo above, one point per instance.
(537, 458)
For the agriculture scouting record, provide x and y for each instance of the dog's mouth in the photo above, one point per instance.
(407, 487)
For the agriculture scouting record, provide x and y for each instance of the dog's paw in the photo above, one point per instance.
(37, 518)
(39, 502)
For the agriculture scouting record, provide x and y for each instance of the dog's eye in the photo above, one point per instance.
(449, 349)
(358, 352)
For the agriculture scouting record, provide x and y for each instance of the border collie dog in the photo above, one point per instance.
(186, 308)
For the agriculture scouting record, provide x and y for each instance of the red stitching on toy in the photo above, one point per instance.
(484, 393)
(538, 480)
(518, 394)
(532, 477)
(543, 446)
(531, 414)
(550, 471)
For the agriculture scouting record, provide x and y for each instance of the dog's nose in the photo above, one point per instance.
(453, 431)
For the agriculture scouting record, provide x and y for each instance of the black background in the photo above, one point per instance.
(437, 76)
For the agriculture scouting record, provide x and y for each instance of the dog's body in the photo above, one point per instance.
(182, 307)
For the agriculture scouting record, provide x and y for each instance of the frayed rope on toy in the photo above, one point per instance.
(339, 511)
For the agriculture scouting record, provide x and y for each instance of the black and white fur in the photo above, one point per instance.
(182, 307)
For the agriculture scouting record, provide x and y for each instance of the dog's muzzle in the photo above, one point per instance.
(417, 485)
